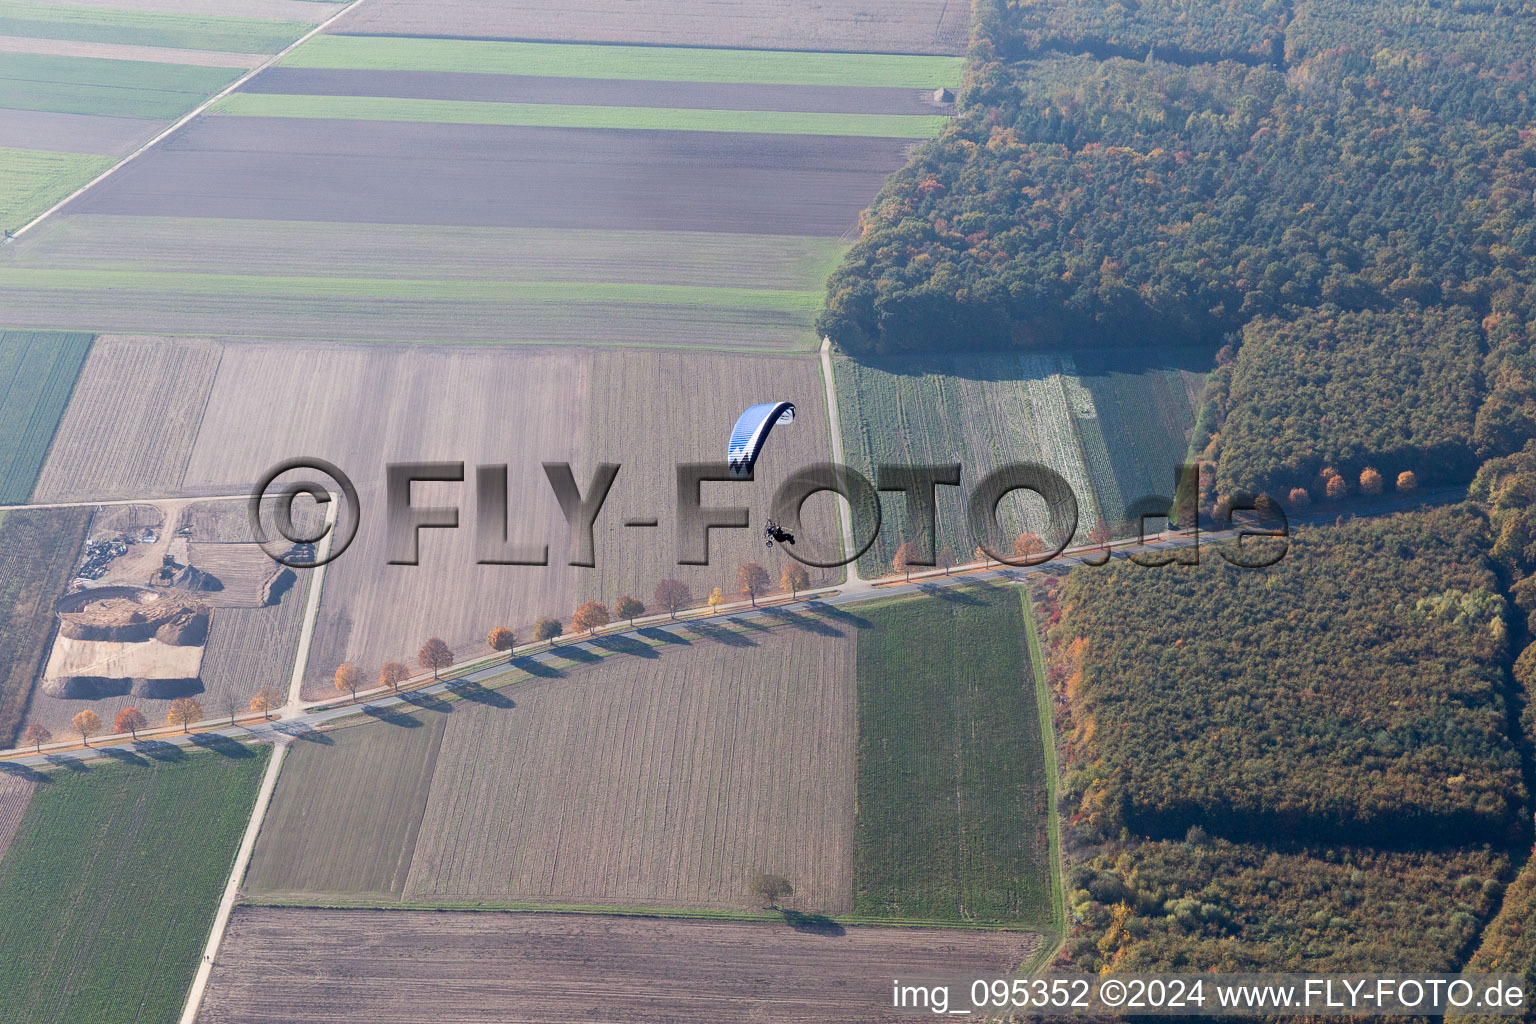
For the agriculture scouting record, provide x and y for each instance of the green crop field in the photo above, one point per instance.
(560, 115)
(345, 816)
(952, 797)
(111, 883)
(38, 549)
(657, 63)
(147, 28)
(37, 376)
(120, 88)
(32, 180)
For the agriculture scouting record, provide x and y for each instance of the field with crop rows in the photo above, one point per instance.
(952, 793)
(393, 967)
(38, 370)
(32, 180)
(38, 550)
(347, 810)
(115, 88)
(111, 882)
(15, 792)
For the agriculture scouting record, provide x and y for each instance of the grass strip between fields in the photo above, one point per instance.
(147, 28)
(651, 63)
(531, 292)
(561, 115)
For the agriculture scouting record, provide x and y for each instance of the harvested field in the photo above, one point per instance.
(559, 115)
(463, 86)
(38, 549)
(354, 965)
(117, 88)
(502, 176)
(110, 885)
(125, 52)
(77, 133)
(347, 811)
(15, 791)
(900, 26)
(32, 180)
(122, 441)
(146, 27)
(38, 370)
(669, 780)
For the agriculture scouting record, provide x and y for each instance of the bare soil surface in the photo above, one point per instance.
(601, 92)
(397, 967)
(75, 133)
(130, 51)
(15, 792)
(872, 26)
(500, 176)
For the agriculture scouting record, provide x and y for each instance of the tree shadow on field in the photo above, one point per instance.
(578, 654)
(23, 771)
(838, 615)
(805, 622)
(749, 624)
(721, 635)
(390, 716)
(160, 750)
(471, 690)
(954, 593)
(221, 745)
(126, 756)
(534, 667)
(300, 731)
(664, 636)
(61, 761)
(626, 645)
(812, 924)
(427, 702)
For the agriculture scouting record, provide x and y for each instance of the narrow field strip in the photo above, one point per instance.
(558, 115)
(32, 180)
(126, 51)
(118, 88)
(534, 292)
(147, 28)
(656, 63)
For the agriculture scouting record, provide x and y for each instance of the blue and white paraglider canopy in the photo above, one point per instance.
(751, 431)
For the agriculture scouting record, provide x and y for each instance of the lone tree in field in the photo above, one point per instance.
(435, 655)
(37, 734)
(129, 720)
(672, 595)
(752, 579)
(184, 711)
(392, 674)
(348, 678)
(547, 629)
(1370, 481)
(716, 599)
(628, 608)
(903, 561)
(793, 578)
(501, 639)
(86, 724)
(946, 559)
(1407, 480)
(1027, 546)
(590, 617)
(267, 700)
(772, 889)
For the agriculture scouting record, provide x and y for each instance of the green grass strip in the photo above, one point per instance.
(1047, 712)
(147, 28)
(560, 115)
(534, 292)
(116, 88)
(652, 63)
(32, 180)
(38, 370)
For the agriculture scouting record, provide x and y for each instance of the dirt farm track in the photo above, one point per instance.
(404, 967)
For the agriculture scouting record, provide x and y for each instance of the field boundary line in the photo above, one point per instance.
(295, 704)
(179, 124)
(232, 887)
(844, 512)
(1048, 950)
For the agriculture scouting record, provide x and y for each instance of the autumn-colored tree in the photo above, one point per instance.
(547, 629)
(435, 655)
(86, 724)
(946, 559)
(590, 617)
(673, 595)
(1099, 534)
(129, 720)
(392, 674)
(716, 599)
(1337, 488)
(348, 678)
(752, 579)
(1027, 545)
(902, 563)
(501, 639)
(772, 889)
(184, 711)
(793, 578)
(1407, 480)
(37, 734)
(628, 608)
(267, 700)
(1370, 481)
(1299, 497)
(983, 556)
